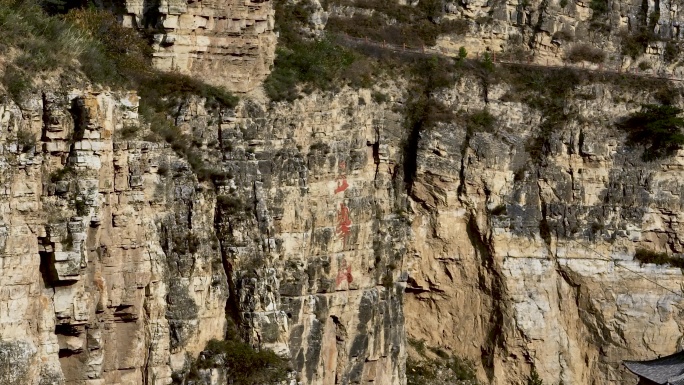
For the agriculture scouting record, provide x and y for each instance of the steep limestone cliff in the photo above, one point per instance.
(224, 43)
(117, 258)
(330, 229)
(107, 259)
(530, 265)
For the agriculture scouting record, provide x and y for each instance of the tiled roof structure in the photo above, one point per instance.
(666, 370)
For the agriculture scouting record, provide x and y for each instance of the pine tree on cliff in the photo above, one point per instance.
(658, 128)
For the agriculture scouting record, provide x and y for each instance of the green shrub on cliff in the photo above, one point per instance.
(32, 42)
(534, 378)
(243, 364)
(480, 121)
(53, 7)
(396, 23)
(305, 62)
(314, 64)
(656, 127)
(658, 258)
(600, 7)
(247, 365)
(446, 369)
(37, 43)
(585, 52)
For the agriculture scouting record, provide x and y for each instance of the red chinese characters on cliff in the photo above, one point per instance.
(342, 178)
(344, 273)
(343, 221)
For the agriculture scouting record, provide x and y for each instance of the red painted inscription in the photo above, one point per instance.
(344, 273)
(342, 178)
(343, 221)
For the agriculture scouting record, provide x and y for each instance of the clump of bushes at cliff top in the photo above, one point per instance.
(305, 63)
(84, 44)
(438, 367)
(330, 60)
(658, 258)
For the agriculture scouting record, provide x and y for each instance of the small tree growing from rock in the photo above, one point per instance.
(658, 128)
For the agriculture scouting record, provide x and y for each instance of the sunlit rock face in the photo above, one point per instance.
(529, 264)
(118, 262)
(223, 42)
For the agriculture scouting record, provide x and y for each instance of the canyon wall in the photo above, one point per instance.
(116, 257)
(526, 264)
(108, 264)
(546, 32)
(332, 231)
(225, 43)
(120, 265)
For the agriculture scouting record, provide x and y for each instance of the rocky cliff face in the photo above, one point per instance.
(101, 286)
(225, 43)
(120, 265)
(332, 231)
(624, 33)
(537, 259)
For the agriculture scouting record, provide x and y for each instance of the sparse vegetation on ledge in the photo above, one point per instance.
(313, 64)
(585, 52)
(658, 258)
(328, 62)
(439, 367)
(242, 364)
(394, 23)
(89, 44)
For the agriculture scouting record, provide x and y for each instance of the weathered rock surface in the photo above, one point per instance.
(523, 265)
(226, 43)
(118, 263)
(546, 31)
(120, 267)
(89, 280)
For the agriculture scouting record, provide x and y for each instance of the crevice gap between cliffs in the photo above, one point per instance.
(232, 309)
(491, 283)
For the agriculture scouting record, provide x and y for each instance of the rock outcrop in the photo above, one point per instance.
(224, 42)
(94, 288)
(329, 231)
(623, 35)
(120, 265)
(535, 258)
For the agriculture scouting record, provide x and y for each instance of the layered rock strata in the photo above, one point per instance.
(529, 265)
(94, 293)
(634, 36)
(120, 265)
(225, 43)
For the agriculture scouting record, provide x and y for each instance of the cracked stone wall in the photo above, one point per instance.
(89, 288)
(546, 31)
(324, 194)
(224, 42)
(119, 265)
(526, 264)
